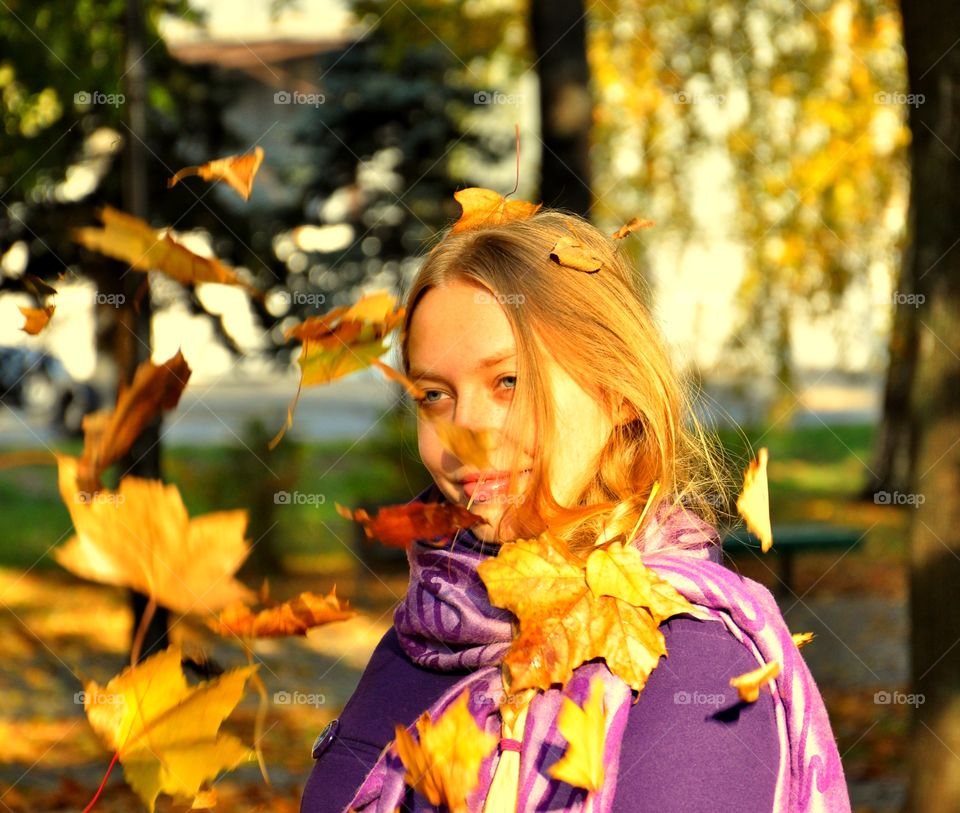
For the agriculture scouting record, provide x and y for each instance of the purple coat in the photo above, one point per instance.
(690, 746)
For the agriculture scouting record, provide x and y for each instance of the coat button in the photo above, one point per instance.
(325, 737)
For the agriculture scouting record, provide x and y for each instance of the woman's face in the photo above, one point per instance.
(462, 353)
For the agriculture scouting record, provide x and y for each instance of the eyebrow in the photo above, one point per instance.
(489, 361)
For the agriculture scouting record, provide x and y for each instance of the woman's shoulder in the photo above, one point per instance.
(690, 744)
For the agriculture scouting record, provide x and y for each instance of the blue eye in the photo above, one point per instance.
(513, 377)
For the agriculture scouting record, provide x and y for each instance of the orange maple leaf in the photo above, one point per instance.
(484, 207)
(293, 617)
(37, 318)
(632, 225)
(399, 525)
(236, 170)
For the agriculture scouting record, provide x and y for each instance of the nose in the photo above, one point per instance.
(477, 411)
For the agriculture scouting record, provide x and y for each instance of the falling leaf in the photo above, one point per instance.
(343, 341)
(484, 207)
(395, 375)
(565, 621)
(141, 536)
(631, 226)
(108, 435)
(583, 728)
(443, 763)
(133, 241)
(237, 170)
(802, 638)
(571, 253)
(471, 447)
(37, 318)
(166, 732)
(293, 617)
(754, 500)
(748, 684)
(399, 525)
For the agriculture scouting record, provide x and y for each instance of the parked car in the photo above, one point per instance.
(37, 383)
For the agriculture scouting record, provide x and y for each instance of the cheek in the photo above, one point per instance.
(429, 446)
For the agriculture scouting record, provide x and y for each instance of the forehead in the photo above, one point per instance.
(454, 326)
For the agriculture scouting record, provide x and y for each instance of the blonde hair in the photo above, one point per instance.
(598, 328)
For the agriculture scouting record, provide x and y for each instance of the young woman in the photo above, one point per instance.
(501, 332)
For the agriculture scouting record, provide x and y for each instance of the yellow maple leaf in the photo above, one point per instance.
(569, 252)
(754, 500)
(802, 638)
(141, 536)
(564, 621)
(470, 446)
(445, 764)
(165, 732)
(236, 170)
(582, 763)
(748, 684)
(484, 207)
(341, 342)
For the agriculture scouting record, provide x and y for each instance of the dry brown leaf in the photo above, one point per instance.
(399, 525)
(569, 252)
(108, 435)
(236, 170)
(631, 226)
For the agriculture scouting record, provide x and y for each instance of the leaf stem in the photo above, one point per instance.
(145, 620)
(106, 776)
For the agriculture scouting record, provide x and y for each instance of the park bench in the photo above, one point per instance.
(790, 540)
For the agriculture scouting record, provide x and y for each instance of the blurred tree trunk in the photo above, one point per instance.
(131, 334)
(559, 33)
(931, 33)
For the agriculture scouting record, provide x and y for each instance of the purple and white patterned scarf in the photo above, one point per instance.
(447, 622)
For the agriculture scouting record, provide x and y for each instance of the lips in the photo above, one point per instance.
(493, 481)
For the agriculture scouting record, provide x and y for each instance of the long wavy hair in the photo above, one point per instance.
(598, 328)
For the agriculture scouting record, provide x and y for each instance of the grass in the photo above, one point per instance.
(814, 473)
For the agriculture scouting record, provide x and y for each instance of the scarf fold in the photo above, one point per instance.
(447, 622)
